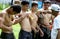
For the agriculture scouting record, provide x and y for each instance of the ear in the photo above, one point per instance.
(11, 8)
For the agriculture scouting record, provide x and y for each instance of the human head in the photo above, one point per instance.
(55, 9)
(46, 4)
(34, 6)
(25, 5)
(14, 9)
(17, 2)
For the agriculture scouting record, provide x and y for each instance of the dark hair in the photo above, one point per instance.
(24, 2)
(16, 8)
(33, 4)
(46, 2)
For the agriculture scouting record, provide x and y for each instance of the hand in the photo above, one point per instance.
(18, 15)
(36, 31)
(10, 28)
(41, 34)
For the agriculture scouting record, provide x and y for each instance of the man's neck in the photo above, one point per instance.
(56, 15)
(33, 11)
(45, 8)
(23, 10)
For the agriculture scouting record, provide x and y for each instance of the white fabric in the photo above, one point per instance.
(55, 7)
(56, 26)
(35, 2)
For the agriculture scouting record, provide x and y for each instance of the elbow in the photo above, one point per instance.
(46, 24)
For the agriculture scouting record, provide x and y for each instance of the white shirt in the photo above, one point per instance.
(56, 26)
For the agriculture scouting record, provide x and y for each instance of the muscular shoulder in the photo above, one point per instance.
(2, 14)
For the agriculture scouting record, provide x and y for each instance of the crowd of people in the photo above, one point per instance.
(35, 23)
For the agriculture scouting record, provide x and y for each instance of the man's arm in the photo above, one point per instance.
(58, 36)
(2, 26)
(41, 32)
(32, 25)
(20, 18)
(34, 29)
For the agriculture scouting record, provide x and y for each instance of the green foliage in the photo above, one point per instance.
(3, 6)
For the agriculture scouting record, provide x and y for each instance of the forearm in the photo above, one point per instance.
(46, 23)
(18, 20)
(39, 29)
(15, 22)
(3, 27)
(21, 18)
(58, 36)
(34, 29)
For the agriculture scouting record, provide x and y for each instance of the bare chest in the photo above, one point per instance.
(8, 20)
(47, 16)
(33, 17)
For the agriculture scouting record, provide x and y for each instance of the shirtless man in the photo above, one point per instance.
(25, 32)
(6, 22)
(44, 19)
(34, 19)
